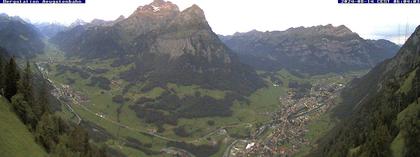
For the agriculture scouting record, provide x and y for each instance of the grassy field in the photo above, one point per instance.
(407, 84)
(338, 78)
(262, 101)
(411, 109)
(183, 91)
(15, 139)
(397, 145)
(244, 119)
(245, 115)
(319, 127)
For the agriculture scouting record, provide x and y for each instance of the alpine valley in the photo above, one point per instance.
(160, 82)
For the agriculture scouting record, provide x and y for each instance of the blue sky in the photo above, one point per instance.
(373, 21)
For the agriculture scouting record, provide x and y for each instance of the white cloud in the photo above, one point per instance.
(229, 16)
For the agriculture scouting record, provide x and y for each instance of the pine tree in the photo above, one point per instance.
(26, 88)
(410, 127)
(11, 80)
(25, 85)
(61, 150)
(42, 104)
(47, 132)
(2, 76)
(23, 110)
(25, 93)
(79, 140)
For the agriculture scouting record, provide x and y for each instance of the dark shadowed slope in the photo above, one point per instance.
(19, 37)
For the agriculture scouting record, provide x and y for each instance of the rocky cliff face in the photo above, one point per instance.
(158, 27)
(189, 33)
(145, 19)
(167, 45)
(313, 50)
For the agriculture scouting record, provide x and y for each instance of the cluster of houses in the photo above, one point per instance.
(65, 92)
(290, 123)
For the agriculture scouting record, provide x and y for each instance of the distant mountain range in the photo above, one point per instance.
(311, 50)
(159, 45)
(166, 44)
(19, 38)
(49, 30)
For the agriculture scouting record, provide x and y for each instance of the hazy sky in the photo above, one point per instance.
(372, 21)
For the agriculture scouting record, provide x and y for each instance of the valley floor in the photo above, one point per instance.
(295, 126)
(285, 118)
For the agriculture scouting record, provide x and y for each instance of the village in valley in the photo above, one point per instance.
(289, 124)
(285, 134)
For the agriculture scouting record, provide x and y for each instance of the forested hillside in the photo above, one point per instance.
(381, 111)
(15, 139)
(56, 136)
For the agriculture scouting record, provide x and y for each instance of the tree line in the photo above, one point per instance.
(57, 136)
(372, 129)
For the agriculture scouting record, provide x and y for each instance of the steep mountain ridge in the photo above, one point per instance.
(397, 67)
(49, 30)
(148, 18)
(19, 37)
(381, 110)
(166, 45)
(184, 33)
(311, 50)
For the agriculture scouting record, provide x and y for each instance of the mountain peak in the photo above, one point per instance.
(344, 29)
(310, 50)
(97, 21)
(78, 22)
(157, 6)
(194, 9)
(190, 20)
(158, 2)
(192, 14)
(329, 29)
(253, 32)
(3, 15)
(121, 17)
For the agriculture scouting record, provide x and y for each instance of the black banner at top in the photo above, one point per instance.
(379, 1)
(42, 1)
